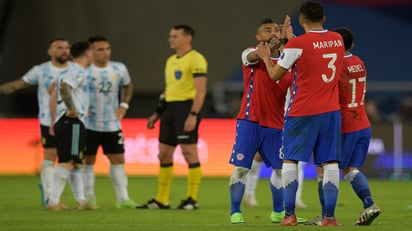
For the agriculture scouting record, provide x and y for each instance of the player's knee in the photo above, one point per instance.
(77, 166)
(89, 159)
(50, 154)
(165, 157)
(116, 158)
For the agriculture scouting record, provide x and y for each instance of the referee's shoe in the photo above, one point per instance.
(153, 204)
(188, 204)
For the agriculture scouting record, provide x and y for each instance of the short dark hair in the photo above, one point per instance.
(57, 38)
(79, 48)
(312, 11)
(347, 36)
(97, 38)
(266, 21)
(187, 30)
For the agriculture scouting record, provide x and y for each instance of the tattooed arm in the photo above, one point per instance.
(10, 87)
(65, 91)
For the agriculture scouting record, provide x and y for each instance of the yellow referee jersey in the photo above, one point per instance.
(180, 73)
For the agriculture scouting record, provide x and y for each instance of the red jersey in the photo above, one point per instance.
(263, 98)
(352, 89)
(318, 59)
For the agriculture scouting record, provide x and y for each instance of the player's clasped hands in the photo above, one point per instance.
(263, 50)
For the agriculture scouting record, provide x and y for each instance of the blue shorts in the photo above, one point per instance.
(317, 134)
(250, 138)
(355, 148)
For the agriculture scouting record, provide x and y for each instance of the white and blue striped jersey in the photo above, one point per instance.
(105, 84)
(76, 77)
(43, 75)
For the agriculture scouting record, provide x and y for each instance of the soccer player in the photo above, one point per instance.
(103, 123)
(253, 177)
(43, 75)
(356, 129)
(184, 95)
(312, 120)
(259, 123)
(71, 92)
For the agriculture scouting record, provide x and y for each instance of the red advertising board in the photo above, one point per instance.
(22, 152)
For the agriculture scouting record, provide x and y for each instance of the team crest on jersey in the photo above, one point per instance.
(240, 156)
(178, 74)
(115, 77)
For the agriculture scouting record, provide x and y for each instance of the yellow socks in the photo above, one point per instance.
(166, 174)
(193, 180)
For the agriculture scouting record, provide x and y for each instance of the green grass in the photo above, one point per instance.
(21, 210)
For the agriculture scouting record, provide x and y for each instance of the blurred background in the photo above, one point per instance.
(138, 31)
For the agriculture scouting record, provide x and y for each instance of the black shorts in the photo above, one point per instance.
(172, 124)
(70, 139)
(47, 140)
(111, 142)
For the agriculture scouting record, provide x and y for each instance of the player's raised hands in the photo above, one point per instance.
(287, 30)
(274, 43)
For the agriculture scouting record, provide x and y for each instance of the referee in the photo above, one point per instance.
(179, 107)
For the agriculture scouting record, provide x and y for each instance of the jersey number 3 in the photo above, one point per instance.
(331, 65)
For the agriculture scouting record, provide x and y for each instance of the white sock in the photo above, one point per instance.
(88, 181)
(76, 184)
(238, 175)
(276, 178)
(252, 178)
(59, 182)
(119, 180)
(331, 174)
(300, 182)
(289, 173)
(351, 175)
(46, 175)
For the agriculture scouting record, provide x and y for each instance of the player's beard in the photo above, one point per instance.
(62, 59)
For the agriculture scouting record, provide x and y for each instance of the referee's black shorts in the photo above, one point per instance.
(172, 124)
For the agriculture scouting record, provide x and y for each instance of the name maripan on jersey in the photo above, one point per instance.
(355, 68)
(327, 44)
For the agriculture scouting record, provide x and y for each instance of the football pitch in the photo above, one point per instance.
(21, 209)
